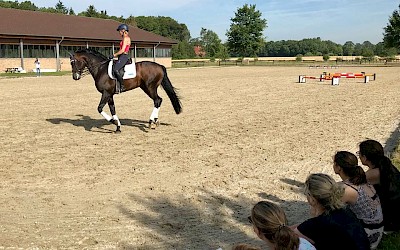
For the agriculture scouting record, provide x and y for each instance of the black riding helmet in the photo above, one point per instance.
(123, 27)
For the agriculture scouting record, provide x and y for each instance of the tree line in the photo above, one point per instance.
(244, 37)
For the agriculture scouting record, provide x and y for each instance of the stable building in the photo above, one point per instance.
(27, 35)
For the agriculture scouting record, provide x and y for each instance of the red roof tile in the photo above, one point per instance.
(15, 22)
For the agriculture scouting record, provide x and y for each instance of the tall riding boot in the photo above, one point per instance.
(120, 82)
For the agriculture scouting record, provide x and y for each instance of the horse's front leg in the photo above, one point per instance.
(114, 119)
(105, 97)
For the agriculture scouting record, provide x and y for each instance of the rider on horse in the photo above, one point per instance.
(122, 55)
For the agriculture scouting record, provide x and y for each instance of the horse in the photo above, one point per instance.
(149, 76)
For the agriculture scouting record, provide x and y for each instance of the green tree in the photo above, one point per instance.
(245, 33)
(333, 48)
(210, 41)
(90, 12)
(26, 5)
(6, 4)
(131, 21)
(391, 36)
(382, 50)
(168, 27)
(358, 49)
(60, 8)
(223, 53)
(164, 26)
(71, 12)
(348, 48)
(367, 49)
(183, 50)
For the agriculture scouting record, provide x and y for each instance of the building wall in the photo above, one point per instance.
(166, 61)
(29, 65)
(51, 63)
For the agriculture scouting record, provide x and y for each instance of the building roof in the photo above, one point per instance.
(24, 23)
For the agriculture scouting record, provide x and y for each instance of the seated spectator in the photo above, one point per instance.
(360, 196)
(332, 226)
(386, 179)
(270, 224)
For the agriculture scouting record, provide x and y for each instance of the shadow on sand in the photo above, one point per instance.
(202, 221)
(393, 141)
(89, 123)
(205, 220)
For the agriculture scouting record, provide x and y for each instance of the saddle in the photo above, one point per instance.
(127, 72)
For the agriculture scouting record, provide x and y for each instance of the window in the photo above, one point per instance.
(163, 52)
(9, 51)
(144, 52)
(40, 51)
(65, 50)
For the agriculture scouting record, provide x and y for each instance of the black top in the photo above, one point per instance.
(339, 229)
(389, 193)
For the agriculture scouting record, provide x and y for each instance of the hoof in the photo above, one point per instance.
(153, 124)
(118, 130)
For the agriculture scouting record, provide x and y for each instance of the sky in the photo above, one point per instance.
(335, 20)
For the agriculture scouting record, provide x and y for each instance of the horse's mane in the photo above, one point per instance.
(92, 52)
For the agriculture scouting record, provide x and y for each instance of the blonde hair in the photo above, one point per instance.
(325, 190)
(271, 221)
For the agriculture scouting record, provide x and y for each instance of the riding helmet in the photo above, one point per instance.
(123, 27)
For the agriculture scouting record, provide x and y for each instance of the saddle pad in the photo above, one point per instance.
(130, 70)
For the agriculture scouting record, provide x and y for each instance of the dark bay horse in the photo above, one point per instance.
(149, 75)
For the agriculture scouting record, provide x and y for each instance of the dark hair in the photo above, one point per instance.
(271, 221)
(373, 152)
(348, 162)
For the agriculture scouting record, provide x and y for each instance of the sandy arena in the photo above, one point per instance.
(245, 134)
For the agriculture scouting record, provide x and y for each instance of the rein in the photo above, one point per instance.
(86, 70)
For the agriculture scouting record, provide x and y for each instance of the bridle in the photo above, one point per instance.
(78, 73)
(87, 68)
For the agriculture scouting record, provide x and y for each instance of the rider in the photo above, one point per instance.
(122, 54)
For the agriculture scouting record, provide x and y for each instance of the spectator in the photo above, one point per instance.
(270, 224)
(37, 65)
(332, 226)
(360, 196)
(386, 179)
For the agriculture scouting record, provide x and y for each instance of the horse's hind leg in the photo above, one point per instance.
(153, 122)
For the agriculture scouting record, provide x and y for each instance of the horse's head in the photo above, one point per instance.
(78, 64)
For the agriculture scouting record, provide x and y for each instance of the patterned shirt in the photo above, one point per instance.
(368, 210)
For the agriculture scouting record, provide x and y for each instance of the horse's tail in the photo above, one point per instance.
(171, 92)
